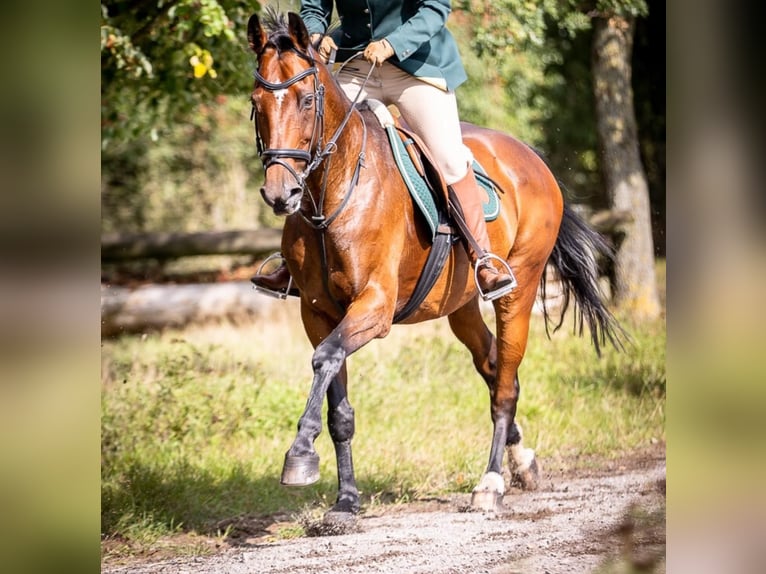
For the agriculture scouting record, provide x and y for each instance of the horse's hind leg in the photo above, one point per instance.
(512, 316)
(497, 362)
(468, 326)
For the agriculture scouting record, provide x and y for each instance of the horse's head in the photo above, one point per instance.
(287, 106)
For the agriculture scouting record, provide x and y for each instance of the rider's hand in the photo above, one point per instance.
(378, 52)
(326, 46)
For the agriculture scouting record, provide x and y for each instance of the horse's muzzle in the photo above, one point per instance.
(285, 203)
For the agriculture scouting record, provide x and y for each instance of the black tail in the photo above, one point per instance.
(574, 258)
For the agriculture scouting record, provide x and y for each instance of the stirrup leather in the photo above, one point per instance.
(499, 292)
(278, 294)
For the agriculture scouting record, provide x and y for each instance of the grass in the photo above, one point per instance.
(195, 423)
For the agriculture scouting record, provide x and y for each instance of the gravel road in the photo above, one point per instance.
(571, 524)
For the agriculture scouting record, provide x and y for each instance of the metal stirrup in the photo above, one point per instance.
(266, 290)
(499, 292)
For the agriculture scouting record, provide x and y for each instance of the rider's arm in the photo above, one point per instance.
(417, 30)
(316, 15)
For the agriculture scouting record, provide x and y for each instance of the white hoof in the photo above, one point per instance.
(523, 466)
(488, 494)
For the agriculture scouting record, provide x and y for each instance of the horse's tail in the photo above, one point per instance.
(574, 257)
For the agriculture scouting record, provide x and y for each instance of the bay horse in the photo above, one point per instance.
(355, 247)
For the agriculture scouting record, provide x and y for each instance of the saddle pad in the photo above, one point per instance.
(421, 193)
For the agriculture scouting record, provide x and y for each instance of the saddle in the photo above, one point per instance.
(431, 195)
(423, 178)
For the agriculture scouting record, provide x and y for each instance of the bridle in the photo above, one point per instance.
(273, 156)
(318, 150)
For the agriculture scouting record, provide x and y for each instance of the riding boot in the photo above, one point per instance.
(492, 283)
(277, 283)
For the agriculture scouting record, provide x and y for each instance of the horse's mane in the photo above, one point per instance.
(276, 25)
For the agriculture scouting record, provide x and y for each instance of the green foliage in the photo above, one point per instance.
(161, 58)
(499, 93)
(552, 91)
(203, 174)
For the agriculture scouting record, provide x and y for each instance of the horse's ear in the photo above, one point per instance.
(256, 35)
(298, 31)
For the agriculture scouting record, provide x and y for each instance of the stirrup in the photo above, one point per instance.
(265, 290)
(500, 291)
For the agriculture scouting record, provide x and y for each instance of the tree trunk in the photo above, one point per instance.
(635, 287)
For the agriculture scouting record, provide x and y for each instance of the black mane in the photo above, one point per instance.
(277, 27)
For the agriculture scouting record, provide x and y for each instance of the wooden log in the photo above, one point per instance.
(607, 221)
(154, 307)
(124, 246)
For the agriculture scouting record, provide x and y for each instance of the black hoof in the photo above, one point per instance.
(300, 470)
(337, 522)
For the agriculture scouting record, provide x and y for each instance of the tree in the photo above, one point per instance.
(520, 25)
(635, 285)
(161, 58)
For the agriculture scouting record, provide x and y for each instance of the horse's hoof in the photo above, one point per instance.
(487, 500)
(488, 494)
(333, 523)
(340, 519)
(300, 470)
(529, 477)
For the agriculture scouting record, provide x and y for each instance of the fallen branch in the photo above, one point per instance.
(154, 307)
(124, 246)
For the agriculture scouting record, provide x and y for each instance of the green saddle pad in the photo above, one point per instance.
(422, 195)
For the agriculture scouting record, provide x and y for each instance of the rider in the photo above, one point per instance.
(418, 68)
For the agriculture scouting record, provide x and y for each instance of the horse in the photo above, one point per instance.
(355, 247)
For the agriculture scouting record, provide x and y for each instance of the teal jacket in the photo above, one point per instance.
(415, 29)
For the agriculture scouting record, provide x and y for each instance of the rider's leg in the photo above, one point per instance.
(492, 282)
(431, 112)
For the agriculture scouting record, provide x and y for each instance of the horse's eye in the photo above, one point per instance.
(307, 101)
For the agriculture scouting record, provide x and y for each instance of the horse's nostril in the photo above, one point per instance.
(295, 191)
(264, 196)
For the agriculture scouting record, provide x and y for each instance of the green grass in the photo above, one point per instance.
(195, 423)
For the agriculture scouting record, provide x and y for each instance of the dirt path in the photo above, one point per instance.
(572, 524)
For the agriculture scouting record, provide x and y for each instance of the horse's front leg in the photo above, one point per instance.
(367, 317)
(303, 469)
(340, 422)
(301, 466)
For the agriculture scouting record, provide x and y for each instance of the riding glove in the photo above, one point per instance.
(326, 46)
(378, 52)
